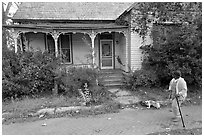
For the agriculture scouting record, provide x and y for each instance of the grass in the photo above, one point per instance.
(194, 131)
(159, 94)
(19, 110)
(33, 104)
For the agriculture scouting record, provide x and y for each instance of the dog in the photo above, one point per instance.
(150, 103)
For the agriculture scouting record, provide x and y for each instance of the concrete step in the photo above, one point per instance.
(113, 84)
(109, 71)
(111, 75)
(112, 78)
(115, 79)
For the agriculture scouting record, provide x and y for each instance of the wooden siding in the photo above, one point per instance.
(136, 55)
(136, 52)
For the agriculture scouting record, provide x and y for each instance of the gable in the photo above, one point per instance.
(71, 10)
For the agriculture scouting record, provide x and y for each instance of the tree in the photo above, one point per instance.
(177, 45)
(6, 19)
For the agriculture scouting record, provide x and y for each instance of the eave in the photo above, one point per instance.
(67, 26)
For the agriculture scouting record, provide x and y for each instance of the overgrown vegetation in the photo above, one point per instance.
(176, 45)
(181, 50)
(28, 73)
(24, 110)
(30, 77)
(141, 78)
(35, 74)
(73, 78)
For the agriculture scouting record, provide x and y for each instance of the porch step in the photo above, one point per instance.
(112, 78)
(113, 84)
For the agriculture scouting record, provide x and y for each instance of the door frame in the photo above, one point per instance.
(101, 54)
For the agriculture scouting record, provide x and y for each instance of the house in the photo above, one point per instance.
(83, 33)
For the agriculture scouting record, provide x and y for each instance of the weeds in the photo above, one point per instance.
(21, 110)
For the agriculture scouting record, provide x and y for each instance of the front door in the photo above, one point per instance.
(106, 54)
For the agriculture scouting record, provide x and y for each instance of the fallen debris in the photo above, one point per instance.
(44, 124)
(42, 115)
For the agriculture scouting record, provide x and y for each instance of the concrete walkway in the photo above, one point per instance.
(124, 96)
(127, 122)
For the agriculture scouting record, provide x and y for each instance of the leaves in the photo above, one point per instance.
(180, 51)
(176, 45)
(146, 13)
(28, 73)
(141, 78)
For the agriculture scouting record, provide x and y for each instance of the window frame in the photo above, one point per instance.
(59, 45)
(70, 47)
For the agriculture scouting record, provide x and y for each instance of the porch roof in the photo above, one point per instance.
(71, 10)
(67, 26)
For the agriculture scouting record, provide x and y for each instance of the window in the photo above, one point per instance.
(64, 46)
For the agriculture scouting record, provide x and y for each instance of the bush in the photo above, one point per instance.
(101, 94)
(74, 78)
(28, 73)
(182, 50)
(141, 78)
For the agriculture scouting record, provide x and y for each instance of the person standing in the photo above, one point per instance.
(178, 88)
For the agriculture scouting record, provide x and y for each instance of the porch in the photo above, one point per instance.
(100, 46)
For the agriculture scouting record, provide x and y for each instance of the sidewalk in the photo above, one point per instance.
(127, 122)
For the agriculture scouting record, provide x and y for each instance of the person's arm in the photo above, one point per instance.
(170, 90)
(170, 84)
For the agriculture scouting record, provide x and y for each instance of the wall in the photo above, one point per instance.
(36, 41)
(82, 50)
(81, 46)
(117, 50)
(136, 42)
(135, 51)
(122, 46)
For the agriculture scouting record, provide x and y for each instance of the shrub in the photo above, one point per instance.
(101, 94)
(141, 78)
(28, 73)
(73, 79)
(182, 50)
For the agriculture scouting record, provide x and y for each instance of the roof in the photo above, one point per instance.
(71, 10)
(67, 26)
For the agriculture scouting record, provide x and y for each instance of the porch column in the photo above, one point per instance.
(15, 36)
(92, 36)
(55, 36)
